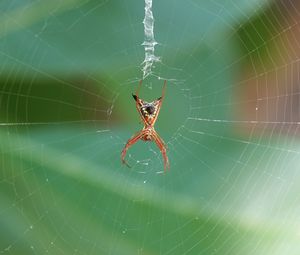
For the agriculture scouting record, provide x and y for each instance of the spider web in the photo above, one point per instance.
(230, 119)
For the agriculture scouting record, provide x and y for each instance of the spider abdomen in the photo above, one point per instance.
(150, 109)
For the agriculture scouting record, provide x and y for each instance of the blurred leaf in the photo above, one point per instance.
(106, 36)
(64, 190)
(70, 196)
(23, 14)
(27, 100)
(257, 35)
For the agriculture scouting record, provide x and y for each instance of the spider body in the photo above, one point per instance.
(148, 114)
(148, 111)
(147, 137)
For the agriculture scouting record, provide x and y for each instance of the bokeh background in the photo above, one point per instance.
(230, 119)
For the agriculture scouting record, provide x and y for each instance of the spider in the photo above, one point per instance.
(148, 113)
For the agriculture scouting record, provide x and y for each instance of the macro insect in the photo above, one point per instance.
(148, 113)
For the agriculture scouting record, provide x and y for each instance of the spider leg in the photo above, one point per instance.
(163, 149)
(164, 89)
(138, 88)
(129, 143)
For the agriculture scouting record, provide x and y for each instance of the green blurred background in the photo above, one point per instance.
(230, 119)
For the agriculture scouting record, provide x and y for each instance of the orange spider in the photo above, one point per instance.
(148, 113)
